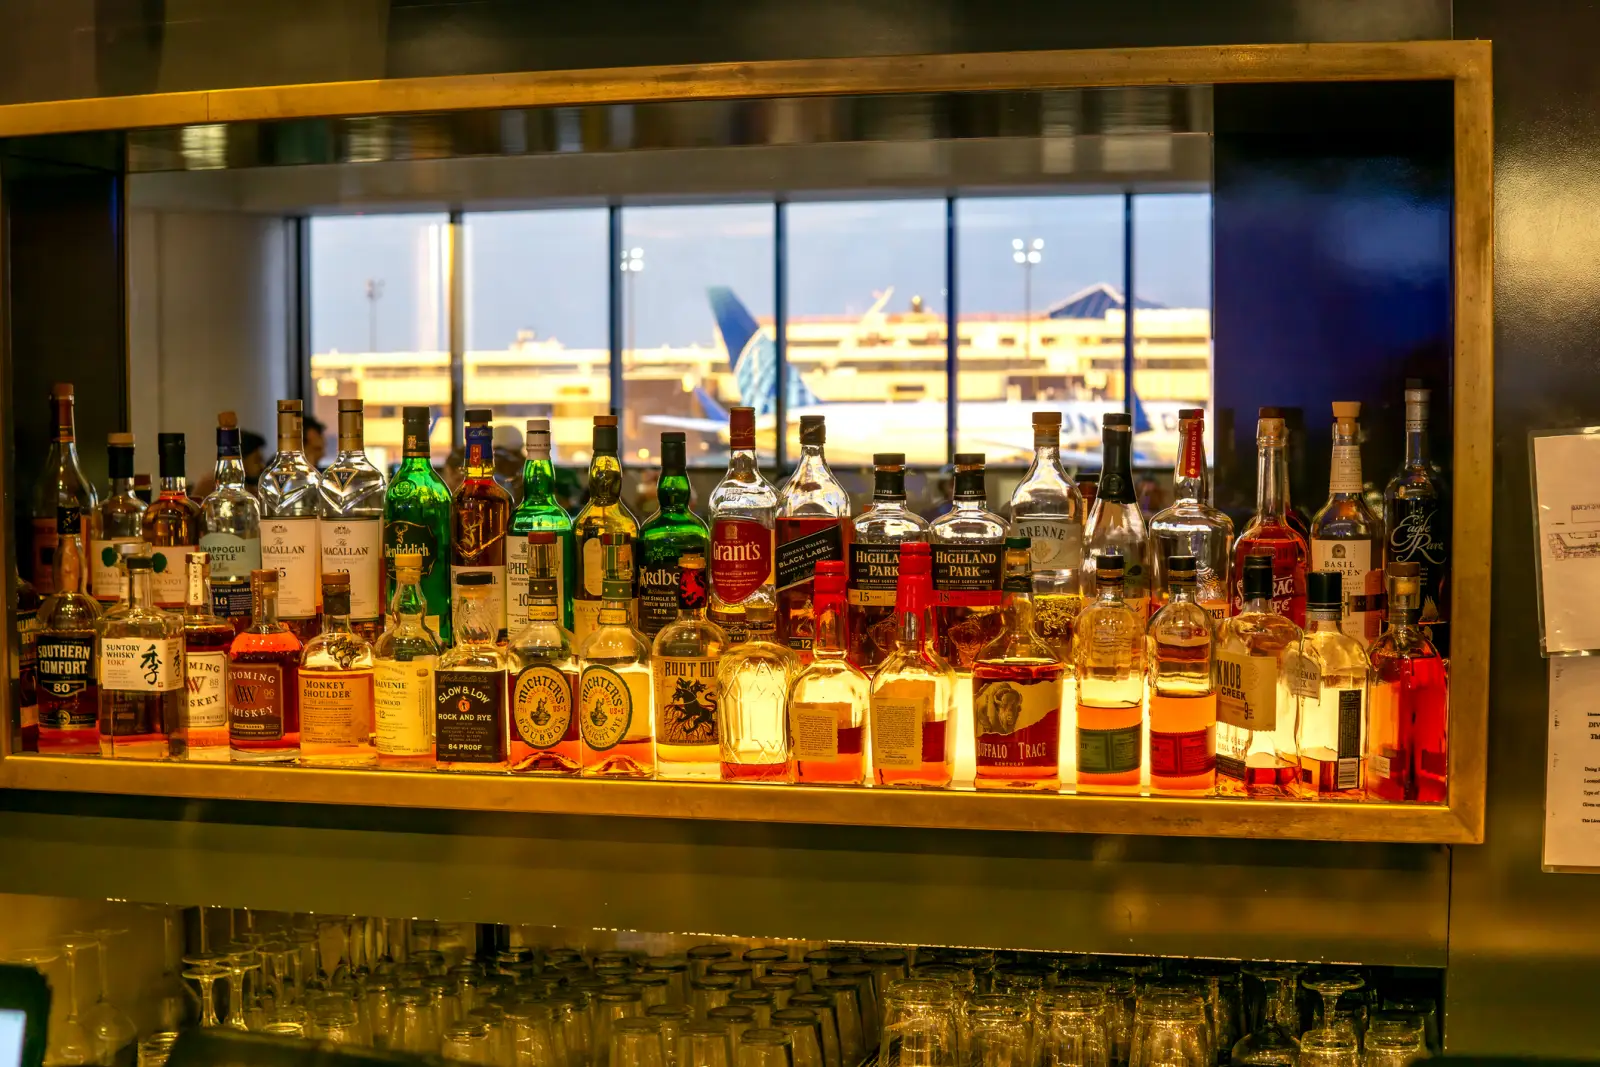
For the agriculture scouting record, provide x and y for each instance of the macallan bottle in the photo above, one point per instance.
(614, 690)
(753, 683)
(539, 512)
(744, 509)
(671, 532)
(603, 515)
(263, 681)
(141, 674)
(1346, 536)
(66, 648)
(416, 519)
(544, 730)
(813, 525)
(404, 661)
(1257, 754)
(480, 520)
(1116, 524)
(683, 669)
(1047, 508)
(1269, 529)
(968, 563)
(829, 702)
(230, 528)
(336, 720)
(291, 510)
(1191, 526)
(351, 534)
(1416, 517)
(1183, 698)
(1408, 756)
(61, 484)
(874, 563)
(912, 716)
(472, 727)
(1330, 682)
(171, 526)
(206, 637)
(121, 523)
(1108, 659)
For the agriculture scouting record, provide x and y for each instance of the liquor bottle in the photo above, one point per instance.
(61, 484)
(614, 716)
(874, 573)
(1329, 680)
(141, 674)
(263, 681)
(1256, 706)
(813, 525)
(471, 725)
(538, 512)
(1191, 526)
(416, 519)
(1346, 536)
(914, 691)
(403, 665)
(142, 489)
(671, 532)
(480, 520)
(291, 514)
(968, 564)
(683, 666)
(744, 510)
(1047, 508)
(1416, 515)
(1116, 525)
(1088, 488)
(206, 637)
(121, 523)
(171, 526)
(544, 731)
(351, 533)
(829, 701)
(1016, 690)
(1409, 693)
(1183, 698)
(66, 644)
(230, 528)
(753, 683)
(603, 515)
(1269, 530)
(25, 661)
(336, 670)
(1108, 650)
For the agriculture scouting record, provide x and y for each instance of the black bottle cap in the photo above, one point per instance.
(605, 435)
(1023, 543)
(480, 415)
(813, 430)
(170, 446)
(888, 459)
(1109, 564)
(970, 459)
(1258, 576)
(415, 419)
(1325, 590)
(1181, 567)
(119, 454)
(674, 450)
(1116, 419)
(475, 578)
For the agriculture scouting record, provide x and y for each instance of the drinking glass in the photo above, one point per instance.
(736, 1017)
(997, 1038)
(823, 960)
(572, 1018)
(960, 979)
(921, 1026)
(780, 987)
(1329, 1047)
(204, 971)
(1073, 1030)
(611, 1004)
(738, 970)
(154, 1050)
(1332, 983)
(676, 972)
(871, 1016)
(805, 1034)
(762, 958)
(1425, 1009)
(414, 1027)
(165, 1002)
(71, 1042)
(847, 1015)
(703, 956)
(333, 1019)
(285, 1019)
(1392, 1048)
(799, 973)
(888, 966)
(763, 1047)
(1390, 1020)
(821, 1005)
(704, 1044)
(1022, 981)
(637, 1041)
(536, 1039)
(1271, 1043)
(708, 993)
(1170, 1030)
(467, 1042)
(240, 960)
(672, 1018)
(757, 1000)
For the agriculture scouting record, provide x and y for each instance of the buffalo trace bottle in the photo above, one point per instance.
(66, 646)
(813, 525)
(336, 686)
(291, 510)
(61, 484)
(1047, 508)
(416, 519)
(968, 560)
(1269, 529)
(1330, 683)
(472, 730)
(480, 520)
(1256, 706)
(1191, 526)
(1183, 698)
(744, 509)
(1108, 659)
(141, 674)
(1116, 525)
(263, 682)
(874, 563)
(171, 526)
(1408, 722)
(912, 714)
(403, 664)
(683, 666)
(206, 637)
(603, 515)
(121, 523)
(353, 491)
(829, 701)
(614, 718)
(1346, 536)
(1016, 691)
(1416, 516)
(671, 532)
(753, 680)
(544, 731)
(539, 512)
(230, 528)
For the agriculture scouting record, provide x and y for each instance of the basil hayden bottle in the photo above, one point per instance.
(874, 563)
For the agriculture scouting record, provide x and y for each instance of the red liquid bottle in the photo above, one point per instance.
(1269, 529)
(264, 682)
(1408, 710)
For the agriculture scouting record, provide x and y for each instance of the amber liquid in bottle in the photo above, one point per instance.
(264, 682)
(480, 519)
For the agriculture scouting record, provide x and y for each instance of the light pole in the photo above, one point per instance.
(632, 264)
(1028, 254)
(374, 294)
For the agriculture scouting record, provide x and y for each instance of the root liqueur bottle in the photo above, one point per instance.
(829, 701)
(1416, 516)
(744, 509)
(480, 520)
(968, 561)
(874, 563)
(1183, 698)
(603, 515)
(66, 650)
(351, 533)
(470, 718)
(1048, 510)
(1108, 659)
(121, 523)
(416, 519)
(1269, 530)
(1116, 525)
(230, 528)
(1346, 536)
(61, 484)
(171, 526)
(912, 712)
(614, 697)
(1408, 726)
(291, 514)
(544, 730)
(263, 681)
(539, 512)
(206, 637)
(1257, 753)
(673, 531)
(141, 674)
(813, 524)
(683, 667)
(1191, 527)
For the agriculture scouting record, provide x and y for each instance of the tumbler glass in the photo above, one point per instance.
(763, 1047)
(1329, 1047)
(827, 1025)
(805, 1034)
(710, 992)
(1073, 1031)
(847, 1015)
(1170, 1030)
(467, 1042)
(999, 1039)
(1392, 1048)
(672, 1018)
(414, 1026)
(611, 1004)
(704, 1044)
(921, 1025)
(636, 1041)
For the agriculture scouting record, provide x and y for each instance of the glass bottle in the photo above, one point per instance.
(230, 528)
(263, 681)
(871, 629)
(480, 518)
(1345, 535)
(968, 562)
(1256, 707)
(1181, 644)
(403, 664)
(912, 712)
(1108, 649)
(753, 720)
(471, 727)
(539, 512)
(66, 645)
(1191, 526)
(291, 510)
(1116, 525)
(683, 666)
(1272, 1042)
(206, 637)
(603, 515)
(171, 526)
(668, 534)
(121, 523)
(336, 718)
(813, 525)
(1330, 682)
(1269, 529)
(1416, 515)
(416, 519)
(61, 484)
(351, 533)
(614, 705)
(1016, 691)
(1047, 508)
(24, 661)
(141, 674)
(544, 731)
(744, 510)
(830, 697)
(1409, 701)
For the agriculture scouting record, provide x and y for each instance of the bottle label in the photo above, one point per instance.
(592, 564)
(1345, 474)
(470, 715)
(968, 576)
(231, 601)
(107, 577)
(169, 574)
(798, 557)
(1113, 751)
(497, 593)
(1337, 769)
(686, 699)
(1184, 754)
(814, 728)
(355, 546)
(658, 597)
(541, 706)
(289, 546)
(205, 675)
(1018, 724)
(898, 711)
(1217, 609)
(874, 573)
(141, 664)
(1305, 676)
(741, 559)
(402, 535)
(232, 557)
(255, 701)
(1247, 690)
(1353, 561)
(65, 666)
(335, 707)
(605, 707)
(1057, 544)
(402, 705)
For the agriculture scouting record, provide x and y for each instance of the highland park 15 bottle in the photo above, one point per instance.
(874, 567)
(813, 524)
(968, 558)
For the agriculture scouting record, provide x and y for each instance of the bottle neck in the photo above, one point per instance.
(352, 433)
(1322, 620)
(1018, 609)
(743, 465)
(1116, 473)
(1344, 476)
(65, 433)
(291, 435)
(197, 598)
(1189, 476)
(539, 480)
(1272, 482)
(969, 489)
(1416, 444)
(672, 491)
(336, 615)
(1109, 591)
(828, 640)
(913, 609)
(813, 466)
(605, 479)
(1046, 453)
(69, 563)
(141, 589)
(1181, 591)
(1255, 602)
(889, 488)
(264, 609)
(480, 452)
(174, 487)
(230, 467)
(409, 600)
(471, 622)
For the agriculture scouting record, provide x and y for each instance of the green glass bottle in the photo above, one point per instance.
(416, 518)
(665, 536)
(602, 514)
(539, 512)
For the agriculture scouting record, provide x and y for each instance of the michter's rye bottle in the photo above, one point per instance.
(1116, 525)
(1416, 516)
(404, 661)
(230, 528)
(416, 519)
(61, 484)
(206, 637)
(1048, 510)
(480, 520)
(913, 694)
(353, 491)
(1408, 754)
(471, 723)
(1346, 536)
(66, 648)
(263, 682)
(544, 730)
(603, 515)
(171, 525)
(1109, 651)
(614, 683)
(744, 509)
(141, 674)
(813, 525)
(1191, 527)
(291, 513)
(121, 524)
(1182, 692)
(539, 512)
(1257, 753)
(874, 563)
(968, 559)
(670, 533)
(1269, 530)
(683, 666)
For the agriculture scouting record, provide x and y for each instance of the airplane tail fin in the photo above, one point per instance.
(709, 407)
(734, 322)
(1141, 418)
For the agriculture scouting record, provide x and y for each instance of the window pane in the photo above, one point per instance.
(379, 326)
(1172, 319)
(697, 326)
(1040, 293)
(866, 327)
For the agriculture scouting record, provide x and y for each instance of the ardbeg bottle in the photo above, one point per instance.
(666, 537)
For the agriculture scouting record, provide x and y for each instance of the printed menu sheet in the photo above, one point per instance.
(1572, 779)
(1566, 478)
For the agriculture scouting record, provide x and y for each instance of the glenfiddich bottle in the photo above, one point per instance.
(670, 533)
(874, 563)
(968, 560)
(480, 520)
(291, 513)
(539, 512)
(813, 526)
(353, 491)
(744, 509)
(603, 515)
(1416, 516)
(416, 519)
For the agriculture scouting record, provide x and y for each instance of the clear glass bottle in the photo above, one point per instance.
(813, 526)
(683, 665)
(1108, 649)
(291, 514)
(544, 730)
(1257, 753)
(872, 629)
(1416, 516)
(230, 528)
(171, 526)
(539, 512)
(1191, 526)
(1116, 525)
(480, 519)
(1269, 529)
(603, 515)
(912, 717)
(351, 534)
(416, 520)
(66, 647)
(753, 682)
(1181, 654)
(1408, 755)
(61, 484)
(1017, 691)
(1048, 510)
(829, 700)
(141, 674)
(1346, 536)
(336, 668)
(665, 536)
(403, 664)
(968, 564)
(744, 512)
(206, 637)
(263, 681)
(121, 523)
(614, 698)
(471, 726)
(1329, 680)
(1272, 1042)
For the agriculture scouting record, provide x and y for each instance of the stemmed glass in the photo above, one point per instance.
(73, 1043)
(1332, 983)
(1272, 1042)
(204, 970)
(166, 1001)
(109, 1026)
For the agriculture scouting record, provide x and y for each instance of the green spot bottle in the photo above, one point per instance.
(416, 518)
(665, 536)
(539, 512)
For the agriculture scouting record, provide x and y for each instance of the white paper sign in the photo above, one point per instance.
(1566, 471)
(1572, 780)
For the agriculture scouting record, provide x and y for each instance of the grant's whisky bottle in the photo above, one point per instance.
(744, 509)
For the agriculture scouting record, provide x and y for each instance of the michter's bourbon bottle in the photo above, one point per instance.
(1416, 516)
(544, 730)
(672, 532)
(813, 526)
(1269, 530)
(968, 560)
(744, 508)
(874, 563)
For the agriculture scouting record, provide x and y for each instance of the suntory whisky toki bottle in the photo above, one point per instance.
(683, 667)
(1256, 706)
(141, 674)
(813, 526)
(544, 728)
(744, 509)
(874, 563)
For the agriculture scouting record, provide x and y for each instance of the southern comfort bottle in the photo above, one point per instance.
(874, 563)
(813, 526)
(66, 650)
(744, 509)
(912, 716)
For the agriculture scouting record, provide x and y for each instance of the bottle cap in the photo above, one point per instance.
(1346, 409)
(830, 577)
(144, 562)
(541, 537)
(171, 448)
(741, 427)
(888, 459)
(674, 449)
(1269, 413)
(1257, 578)
(969, 459)
(475, 578)
(408, 559)
(119, 440)
(1019, 543)
(1181, 567)
(353, 403)
(1116, 420)
(534, 426)
(197, 557)
(480, 415)
(335, 580)
(605, 435)
(813, 430)
(1046, 420)
(916, 558)
(290, 407)
(1191, 413)
(1108, 565)
(1325, 590)
(61, 391)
